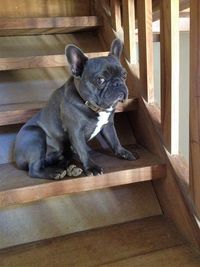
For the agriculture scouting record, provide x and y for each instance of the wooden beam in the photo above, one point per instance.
(129, 30)
(16, 187)
(47, 61)
(116, 14)
(145, 35)
(195, 103)
(169, 43)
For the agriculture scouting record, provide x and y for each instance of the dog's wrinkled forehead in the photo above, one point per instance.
(104, 65)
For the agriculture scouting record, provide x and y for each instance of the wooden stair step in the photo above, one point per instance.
(18, 113)
(21, 112)
(182, 255)
(16, 187)
(91, 209)
(139, 243)
(42, 51)
(47, 25)
(46, 61)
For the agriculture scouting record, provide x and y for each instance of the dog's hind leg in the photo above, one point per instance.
(38, 167)
(31, 146)
(36, 170)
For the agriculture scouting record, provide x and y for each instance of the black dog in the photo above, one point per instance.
(83, 107)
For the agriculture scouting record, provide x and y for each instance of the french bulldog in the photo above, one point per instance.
(82, 108)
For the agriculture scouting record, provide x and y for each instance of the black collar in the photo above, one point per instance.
(91, 105)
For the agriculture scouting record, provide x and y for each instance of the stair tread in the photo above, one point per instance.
(41, 45)
(19, 52)
(47, 25)
(16, 187)
(124, 244)
(21, 112)
(182, 255)
(14, 63)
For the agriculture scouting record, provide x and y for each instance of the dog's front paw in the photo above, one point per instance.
(73, 171)
(125, 154)
(58, 174)
(94, 171)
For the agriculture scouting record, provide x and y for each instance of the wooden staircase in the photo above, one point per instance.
(32, 47)
(149, 242)
(29, 43)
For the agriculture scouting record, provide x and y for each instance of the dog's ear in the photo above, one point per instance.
(116, 48)
(76, 59)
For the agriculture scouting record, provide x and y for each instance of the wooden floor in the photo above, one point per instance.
(151, 242)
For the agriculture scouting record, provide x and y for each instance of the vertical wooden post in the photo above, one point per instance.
(195, 102)
(115, 14)
(129, 30)
(169, 44)
(145, 35)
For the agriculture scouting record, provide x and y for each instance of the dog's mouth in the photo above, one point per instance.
(112, 100)
(122, 96)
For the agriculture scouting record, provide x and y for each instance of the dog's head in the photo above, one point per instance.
(99, 80)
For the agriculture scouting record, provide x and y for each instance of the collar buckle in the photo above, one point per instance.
(93, 107)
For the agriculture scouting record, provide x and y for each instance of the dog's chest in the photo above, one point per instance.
(102, 119)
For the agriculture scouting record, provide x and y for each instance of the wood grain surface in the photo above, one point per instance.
(104, 246)
(44, 8)
(16, 187)
(48, 25)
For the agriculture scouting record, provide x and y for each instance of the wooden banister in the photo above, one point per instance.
(115, 8)
(169, 43)
(195, 103)
(128, 7)
(145, 35)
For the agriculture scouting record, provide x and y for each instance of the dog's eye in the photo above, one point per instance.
(124, 75)
(100, 80)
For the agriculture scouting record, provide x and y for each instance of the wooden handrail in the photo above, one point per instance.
(194, 179)
(169, 43)
(145, 35)
(115, 8)
(128, 7)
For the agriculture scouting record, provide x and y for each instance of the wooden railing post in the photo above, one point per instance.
(169, 44)
(195, 102)
(129, 30)
(145, 35)
(115, 9)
